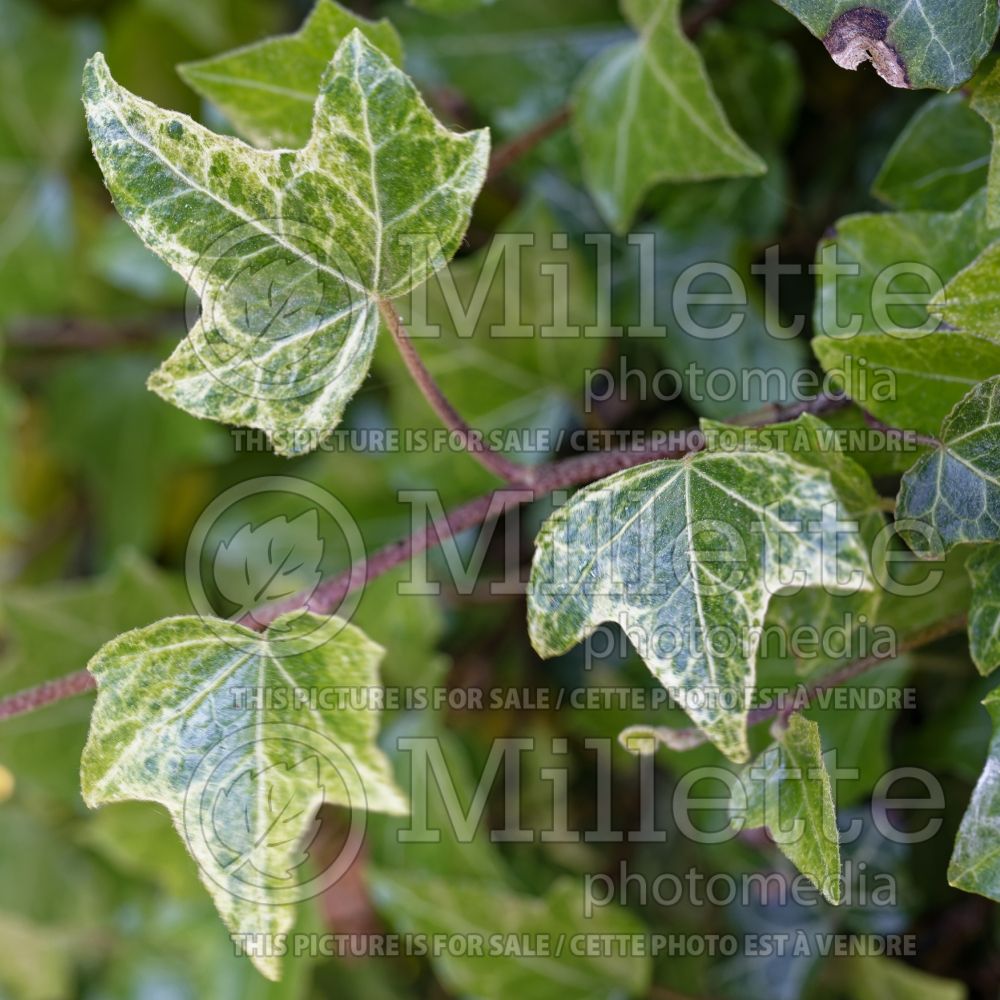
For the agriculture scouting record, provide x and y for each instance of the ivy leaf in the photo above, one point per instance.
(685, 556)
(983, 567)
(40, 134)
(288, 251)
(449, 6)
(909, 255)
(907, 381)
(956, 488)
(515, 61)
(241, 775)
(788, 791)
(975, 861)
(422, 904)
(986, 102)
(872, 977)
(710, 360)
(970, 301)
(939, 160)
(268, 90)
(644, 112)
(813, 443)
(911, 43)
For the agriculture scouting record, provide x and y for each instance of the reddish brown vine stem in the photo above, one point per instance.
(327, 596)
(472, 441)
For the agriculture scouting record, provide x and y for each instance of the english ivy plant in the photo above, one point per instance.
(346, 233)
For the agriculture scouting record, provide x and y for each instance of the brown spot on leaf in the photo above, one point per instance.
(859, 35)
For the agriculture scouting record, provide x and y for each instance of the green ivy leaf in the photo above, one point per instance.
(288, 251)
(910, 382)
(939, 160)
(970, 300)
(986, 102)
(268, 90)
(911, 43)
(975, 861)
(908, 255)
(449, 6)
(513, 61)
(241, 779)
(648, 549)
(956, 488)
(709, 358)
(872, 977)
(417, 903)
(644, 112)
(40, 133)
(983, 567)
(788, 791)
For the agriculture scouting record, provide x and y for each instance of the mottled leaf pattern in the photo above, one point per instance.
(268, 90)
(185, 717)
(911, 43)
(975, 862)
(956, 488)
(813, 443)
(647, 548)
(289, 252)
(644, 112)
(788, 791)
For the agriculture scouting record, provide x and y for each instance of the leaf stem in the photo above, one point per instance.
(46, 694)
(511, 472)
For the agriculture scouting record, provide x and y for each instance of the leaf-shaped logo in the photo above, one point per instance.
(275, 560)
(259, 820)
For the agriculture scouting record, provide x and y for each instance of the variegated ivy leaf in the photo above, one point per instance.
(984, 612)
(911, 43)
(645, 112)
(268, 90)
(956, 488)
(986, 101)
(685, 556)
(218, 724)
(813, 443)
(289, 252)
(975, 861)
(788, 790)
